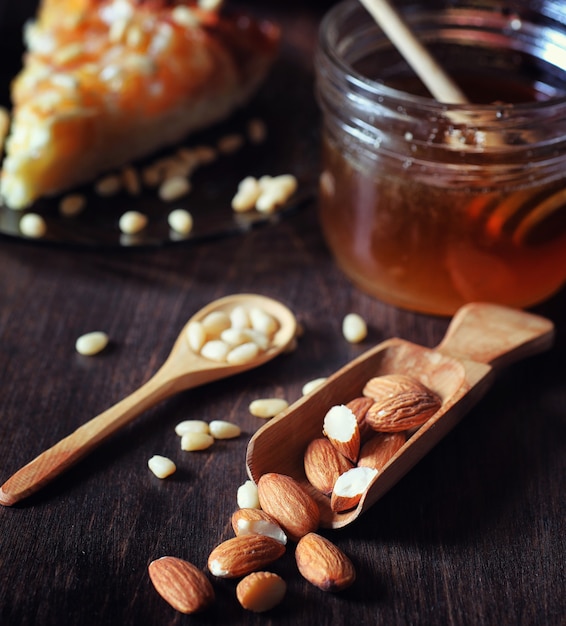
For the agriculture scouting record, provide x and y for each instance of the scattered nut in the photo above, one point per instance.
(221, 429)
(174, 188)
(257, 522)
(181, 584)
(261, 591)
(267, 407)
(323, 564)
(354, 328)
(72, 205)
(161, 466)
(247, 496)
(132, 222)
(312, 385)
(243, 554)
(33, 225)
(92, 343)
(180, 221)
(192, 426)
(108, 185)
(192, 442)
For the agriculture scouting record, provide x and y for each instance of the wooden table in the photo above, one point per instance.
(474, 534)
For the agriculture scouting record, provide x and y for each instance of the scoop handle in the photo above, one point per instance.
(495, 334)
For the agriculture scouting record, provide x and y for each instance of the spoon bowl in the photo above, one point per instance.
(183, 369)
(481, 338)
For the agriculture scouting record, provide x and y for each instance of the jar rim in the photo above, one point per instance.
(327, 37)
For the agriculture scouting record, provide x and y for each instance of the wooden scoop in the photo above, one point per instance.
(480, 339)
(183, 369)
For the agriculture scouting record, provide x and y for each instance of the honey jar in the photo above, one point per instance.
(429, 205)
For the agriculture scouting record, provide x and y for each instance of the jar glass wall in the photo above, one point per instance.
(427, 205)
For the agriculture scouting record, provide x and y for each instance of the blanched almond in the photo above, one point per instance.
(244, 554)
(341, 428)
(261, 591)
(323, 464)
(289, 503)
(350, 487)
(323, 564)
(257, 522)
(181, 584)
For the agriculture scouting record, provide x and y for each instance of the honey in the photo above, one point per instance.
(429, 206)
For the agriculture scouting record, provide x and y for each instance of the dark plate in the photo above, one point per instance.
(285, 104)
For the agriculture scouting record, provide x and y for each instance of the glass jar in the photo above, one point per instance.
(428, 206)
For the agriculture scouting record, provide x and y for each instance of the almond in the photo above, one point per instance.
(388, 386)
(378, 450)
(261, 591)
(289, 503)
(341, 428)
(323, 464)
(180, 583)
(243, 554)
(405, 403)
(350, 487)
(323, 564)
(359, 407)
(257, 522)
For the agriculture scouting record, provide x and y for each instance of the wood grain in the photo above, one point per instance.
(473, 534)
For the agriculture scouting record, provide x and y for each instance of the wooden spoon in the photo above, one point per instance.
(481, 339)
(182, 370)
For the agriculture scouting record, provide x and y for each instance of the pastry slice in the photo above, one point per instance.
(106, 82)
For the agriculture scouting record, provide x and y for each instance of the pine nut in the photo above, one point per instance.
(180, 221)
(108, 186)
(261, 339)
(354, 328)
(257, 131)
(239, 317)
(174, 188)
(221, 429)
(234, 336)
(262, 321)
(131, 181)
(230, 143)
(161, 466)
(214, 323)
(196, 336)
(267, 407)
(192, 426)
(242, 354)
(132, 222)
(248, 192)
(92, 343)
(72, 205)
(215, 350)
(312, 385)
(192, 442)
(247, 496)
(33, 225)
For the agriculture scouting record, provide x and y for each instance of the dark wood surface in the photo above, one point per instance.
(474, 534)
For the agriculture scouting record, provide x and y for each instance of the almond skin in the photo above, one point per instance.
(323, 464)
(289, 503)
(388, 386)
(323, 564)
(411, 405)
(359, 407)
(377, 451)
(180, 583)
(243, 554)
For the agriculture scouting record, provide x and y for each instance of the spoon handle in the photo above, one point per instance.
(495, 335)
(55, 460)
(417, 56)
